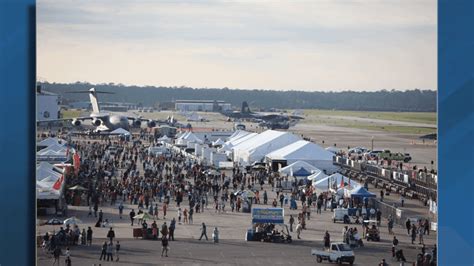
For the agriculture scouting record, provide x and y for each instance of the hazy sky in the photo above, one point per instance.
(285, 45)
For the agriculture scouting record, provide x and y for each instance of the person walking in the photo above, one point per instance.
(408, 226)
(179, 215)
(185, 214)
(292, 221)
(390, 225)
(413, 233)
(171, 229)
(394, 245)
(165, 207)
(117, 250)
(203, 232)
(89, 236)
(191, 211)
(110, 251)
(111, 235)
(68, 257)
(299, 227)
(165, 246)
(56, 254)
(215, 235)
(426, 227)
(103, 253)
(132, 214)
(421, 232)
(120, 208)
(164, 230)
(155, 211)
(327, 240)
(265, 197)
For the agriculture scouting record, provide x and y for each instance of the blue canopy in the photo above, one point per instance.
(361, 192)
(301, 172)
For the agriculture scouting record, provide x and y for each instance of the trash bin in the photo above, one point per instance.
(249, 236)
(137, 232)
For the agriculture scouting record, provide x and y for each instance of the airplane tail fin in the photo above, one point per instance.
(93, 98)
(94, 102)
(245, 108)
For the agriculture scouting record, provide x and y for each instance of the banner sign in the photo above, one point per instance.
(267, 215)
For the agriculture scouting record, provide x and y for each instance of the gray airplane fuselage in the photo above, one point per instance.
(111, 122)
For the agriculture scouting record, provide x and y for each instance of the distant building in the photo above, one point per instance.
(202, 105)
(47, 105)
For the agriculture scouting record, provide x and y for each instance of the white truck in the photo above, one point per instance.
(338, 252)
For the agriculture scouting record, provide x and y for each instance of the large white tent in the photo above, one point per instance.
(306, 151)
(290, 169)
(232, 142)
(255, 148)
(237, 135)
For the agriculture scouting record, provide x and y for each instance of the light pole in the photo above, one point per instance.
(372, 148)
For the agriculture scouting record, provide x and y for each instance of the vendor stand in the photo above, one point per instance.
(268, 225)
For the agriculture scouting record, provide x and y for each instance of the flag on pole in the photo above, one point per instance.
(57, 184)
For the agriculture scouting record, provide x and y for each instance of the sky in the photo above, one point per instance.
(319, 45)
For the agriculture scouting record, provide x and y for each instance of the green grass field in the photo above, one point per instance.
(330, 118)
(419, 117)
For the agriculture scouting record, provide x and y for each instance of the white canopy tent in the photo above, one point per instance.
(120, 131)
(51, 141)
(306, 151)
(290, 169)
(218, 142)
(46, 176)
(256, 148)
(333, 182)
(189, 137)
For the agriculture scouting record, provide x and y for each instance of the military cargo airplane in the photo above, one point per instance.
(103, 121)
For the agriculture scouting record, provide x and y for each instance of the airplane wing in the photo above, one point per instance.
(81, 118)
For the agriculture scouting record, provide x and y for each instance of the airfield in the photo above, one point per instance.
(398, 132)
(232, 248)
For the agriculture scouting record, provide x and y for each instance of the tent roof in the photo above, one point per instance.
(361, 192)
(316, 176)
(267, 138)
(218, 142)
(51, 141)
(296, 166)
(120, 131)
(301, 150)
(236, 141)
(192, 138)
(334, 181)
(301, 172)
(238, 134)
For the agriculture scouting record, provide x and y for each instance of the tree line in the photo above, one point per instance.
(414, 100)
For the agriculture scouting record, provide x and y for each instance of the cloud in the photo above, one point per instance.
(248, 44)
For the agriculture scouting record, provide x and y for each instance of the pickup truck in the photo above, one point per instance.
(387, 155)
(338, 252)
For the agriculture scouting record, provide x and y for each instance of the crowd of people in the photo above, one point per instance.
(117, 173)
